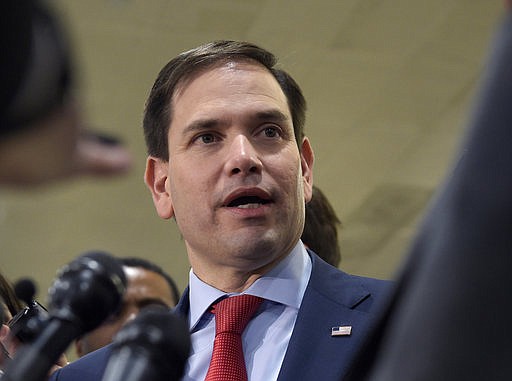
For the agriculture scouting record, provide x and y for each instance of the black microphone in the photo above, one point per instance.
(154, 346)
(84, 294)
(30, 321)
(25, 290)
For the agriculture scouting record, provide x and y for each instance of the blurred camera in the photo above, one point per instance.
(29, 322)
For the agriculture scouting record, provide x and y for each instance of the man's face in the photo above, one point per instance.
(235, 181)
(144, 288)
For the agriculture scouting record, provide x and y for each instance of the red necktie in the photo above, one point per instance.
(231, 318)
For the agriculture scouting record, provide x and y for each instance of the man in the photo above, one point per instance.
(147, 285)
(449, 318)
(228, 160)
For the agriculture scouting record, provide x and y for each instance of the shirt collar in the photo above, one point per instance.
(285, 284)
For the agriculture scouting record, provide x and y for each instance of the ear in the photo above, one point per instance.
(157, 180)
(307, 160)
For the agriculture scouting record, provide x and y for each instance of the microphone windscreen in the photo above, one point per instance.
(25, 290)
(87, 290)
(157, 336)
(84, 294)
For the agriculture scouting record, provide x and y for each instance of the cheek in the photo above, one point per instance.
(190, 194)
(288, 175)
(295, 188)
(184, 180)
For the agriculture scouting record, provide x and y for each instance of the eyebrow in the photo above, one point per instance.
(201, 125)
(273, 114)
(208, 123)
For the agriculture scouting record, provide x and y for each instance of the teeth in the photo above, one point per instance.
(250, 206)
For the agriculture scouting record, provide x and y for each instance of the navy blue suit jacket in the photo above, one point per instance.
(332, 299)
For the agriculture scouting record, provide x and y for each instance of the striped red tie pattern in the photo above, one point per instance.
(231, 317)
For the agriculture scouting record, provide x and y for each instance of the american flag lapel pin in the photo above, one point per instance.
(344, 330)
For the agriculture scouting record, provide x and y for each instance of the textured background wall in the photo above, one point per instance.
(389, 84)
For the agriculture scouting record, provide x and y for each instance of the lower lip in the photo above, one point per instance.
(260, 211)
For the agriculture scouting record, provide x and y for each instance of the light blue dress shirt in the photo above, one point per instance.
(267, 335)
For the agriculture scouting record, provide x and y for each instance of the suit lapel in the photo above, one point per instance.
(183, 305)
(330, 301)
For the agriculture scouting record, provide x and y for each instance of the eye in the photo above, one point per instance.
(271, 132)
(206, 139)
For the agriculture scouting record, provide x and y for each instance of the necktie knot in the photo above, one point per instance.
(231, 318)
(233, 314)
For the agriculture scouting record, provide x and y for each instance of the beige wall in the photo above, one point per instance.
(388, 83)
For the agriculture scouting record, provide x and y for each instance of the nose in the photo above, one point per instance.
(242, 157)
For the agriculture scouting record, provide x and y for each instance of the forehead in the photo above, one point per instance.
(234, 63)
(141, 280)
(235, 81)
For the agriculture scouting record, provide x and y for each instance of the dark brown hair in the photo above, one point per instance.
(158, 112)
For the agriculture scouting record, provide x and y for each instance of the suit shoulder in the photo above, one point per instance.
(373, 284)
(353, 291)
(87, 368)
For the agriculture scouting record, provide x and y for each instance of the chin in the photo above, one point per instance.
(256, 246)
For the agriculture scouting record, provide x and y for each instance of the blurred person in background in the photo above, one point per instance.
(42, 134)
(148, 285)
(321, 228)
(10, 305)
(43, 137)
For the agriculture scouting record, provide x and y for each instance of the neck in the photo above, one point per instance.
(230, 279)
(231, 282)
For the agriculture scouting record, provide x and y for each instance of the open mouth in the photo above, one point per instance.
(247, 202)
